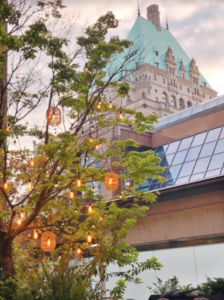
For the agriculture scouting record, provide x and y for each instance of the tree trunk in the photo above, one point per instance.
(6, 257)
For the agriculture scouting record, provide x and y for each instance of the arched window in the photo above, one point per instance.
(154, 76)
(173, 101)
(181, 102)
(164, 97)
(189, 104)
(163, 80)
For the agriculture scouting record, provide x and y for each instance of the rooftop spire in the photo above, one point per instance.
(167, 25)
(139, 14)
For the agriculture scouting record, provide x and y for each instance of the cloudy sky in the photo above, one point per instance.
(196, 24)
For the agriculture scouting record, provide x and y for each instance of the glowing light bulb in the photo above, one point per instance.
(29, 185)
(110, 105)
(110, 180)
(90, 208)
(128, 183)
(5, 185)
(71, 194)
(48, 242)
(22, 215)
(92, 127)
(92, 188)
(53, 116)
(79, 182)
(120, 115)
(86, 69)
(6, 20)
(19, 221)
(79, 250)
(89, 238)
(90, 139)
(98, 105)
(35, 234)
(97, 147)
(32, 163)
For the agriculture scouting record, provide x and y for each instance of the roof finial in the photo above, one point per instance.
(139, 14)
(167, 25)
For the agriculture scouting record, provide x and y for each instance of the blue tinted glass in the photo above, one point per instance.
(199, 139)
(145, 183)
(219, 147)
(201, 165)
(166, 161)
(182, 180)
(143, 189)
(173, 172)
(179, 157)
(167, 183)
(154, 186)
(193, 153)
(185, 144)
(207, 149)
(197, 176)
(222, 134)
(213, 135)
(173, 147)
(222, 171)
(187, 169)
(160, 151)
(213, 173)
(216, 161)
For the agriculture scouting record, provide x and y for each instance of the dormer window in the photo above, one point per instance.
(157, 53)
(204, 84)
(183, 75)
(157, 65)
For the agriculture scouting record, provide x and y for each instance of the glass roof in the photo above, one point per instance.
(189, 112)
(192, 158)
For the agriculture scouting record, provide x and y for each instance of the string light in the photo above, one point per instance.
(22, 215)
(71, 194)
(35, 234)
(99, 105)
(99, 113)
(90, 208)
(89, 238)
(79, 182)
(120, 115)
(92, 127)
(128, 183)
(48, 242)
(29, 185)
(79, 250)
(91, 139)
(92, 188)
(19, 221)
(32, 163)
(5, 185)
(53, 116)
(110, 105)
(97, 146)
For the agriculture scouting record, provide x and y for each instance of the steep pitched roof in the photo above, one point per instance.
(146, 37)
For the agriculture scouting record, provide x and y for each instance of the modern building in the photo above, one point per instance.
(163, 78)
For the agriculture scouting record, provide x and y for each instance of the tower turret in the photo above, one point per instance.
(153, 15)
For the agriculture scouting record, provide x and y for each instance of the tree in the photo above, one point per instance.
(213, 286)
(64, 166)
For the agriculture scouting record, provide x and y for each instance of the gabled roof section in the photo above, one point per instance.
(149, 40)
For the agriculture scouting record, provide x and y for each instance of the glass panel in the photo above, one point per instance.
(166, 161)
(198, 108)
(185, 144)
(144, 189)
(162, 122)
(187, 169)
(197, 176)
(173, 147)
(167, 183)
(193, 153)
(160, 151)
(219, 147)
(174, 117)
(213, 173)
(179, 157)
(173, 172)
(146, 183)
(222, 133)
(213, 135)
(222, 171)
(221, 100)
(201, 165)
(186, 113)
(154, 187)
(199, 139)
(207, 149)
(210, 104)
(182, 180)
(216, 161)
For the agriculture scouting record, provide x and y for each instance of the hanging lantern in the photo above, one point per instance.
(90, 139)
(99, 105)
(110, 105)
(97, 146)
(32, 163)
(120, 115)
(79, 182)
(22, 215)
(48, 241)
(71, 194)
(54, 116)
(79, 250)
(112, 181)
(128, 183)
(5, 185)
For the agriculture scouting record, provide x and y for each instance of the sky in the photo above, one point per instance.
(196, 24)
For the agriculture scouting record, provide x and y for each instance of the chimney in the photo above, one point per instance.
(153, 15)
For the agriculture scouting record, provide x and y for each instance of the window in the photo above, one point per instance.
(165, 115)
(170, 70)
(213, 135)
(157, 53)
(185, 144)
(173, 147)
(203, 96)
(157, 65)
(189, 104)
(164, 80)
(201, 165)
(183, 75)
(188, 90)
(195, 91)
(180, 87)
(156, 91)
(153, 113)
(149, 91)
(187, 169)
(207, 149)
(216, 161)
(199, 139)
(181, 102)
(164, 97)
(173, 71)
(204, 83)
(154, 76)
(173, 101)
(193, 153)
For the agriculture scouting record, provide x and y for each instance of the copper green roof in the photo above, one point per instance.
(148, 40)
